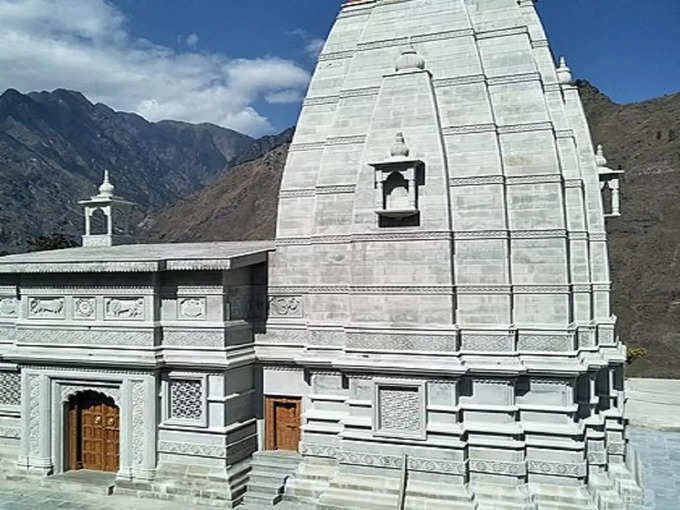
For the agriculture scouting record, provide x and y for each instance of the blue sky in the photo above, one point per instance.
(245, 64)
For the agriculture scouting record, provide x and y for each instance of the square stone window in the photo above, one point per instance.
(399, 409)
(10, 390)
(185, 399)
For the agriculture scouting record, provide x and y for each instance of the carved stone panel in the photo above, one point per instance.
(399, 409)
(124, 308)
(46, 308)
(8, 306)
(193, 308)
(84, 308)
(285, 306)
(10, 389)
(186, 399)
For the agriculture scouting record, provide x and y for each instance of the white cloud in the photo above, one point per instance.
(84, 45)
(314, 46)
(284, 96)
(192, 40)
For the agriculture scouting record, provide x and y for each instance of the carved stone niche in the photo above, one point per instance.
(396, 183)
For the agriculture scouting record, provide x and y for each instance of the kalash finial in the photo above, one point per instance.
(409, 60)
(106, 188)
(600, 159)
(564, 72)
(399, 149)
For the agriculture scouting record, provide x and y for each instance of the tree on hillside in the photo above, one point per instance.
(51, 242)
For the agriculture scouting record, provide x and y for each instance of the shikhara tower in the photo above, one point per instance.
(430, 330)
(440, 291)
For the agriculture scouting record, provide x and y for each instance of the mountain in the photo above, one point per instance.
(240, 204)
(55, 146)
(642, 138)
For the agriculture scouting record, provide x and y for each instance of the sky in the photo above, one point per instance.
(246, 64)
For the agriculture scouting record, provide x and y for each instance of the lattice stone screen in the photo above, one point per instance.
(186, 399)
(400, 410)
(10, 389)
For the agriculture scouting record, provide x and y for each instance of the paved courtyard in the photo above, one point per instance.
(660, 455)
(659, 452)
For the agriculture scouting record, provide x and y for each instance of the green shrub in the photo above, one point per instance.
(635, 353)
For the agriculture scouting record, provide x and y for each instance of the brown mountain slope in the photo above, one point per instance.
(239, 205)
(641, 138)
(644, 140)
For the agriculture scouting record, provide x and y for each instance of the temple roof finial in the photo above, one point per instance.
(106, 188)
(600, 159)
(399, 149)
(409, 60)
(564, 72)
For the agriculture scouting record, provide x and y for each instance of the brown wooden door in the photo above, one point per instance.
(282, 423)
(94, 433)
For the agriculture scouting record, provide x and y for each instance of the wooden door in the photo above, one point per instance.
(282, 419)
(94, 433)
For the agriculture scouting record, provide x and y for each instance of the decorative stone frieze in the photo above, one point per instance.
(315, 450)
(191, 308)
(9, 306)
(367, 459)
(64, 336)
(399, 342)
(138, 422)
(557, 468)
(285, 306)
(33, 383)
(10, 432)
(46, 308)
(194, 337)
(124, 308)
(498, 468)
(487, 343)
(84, 308)
(195, 449)
(545, 343)
(616, 448)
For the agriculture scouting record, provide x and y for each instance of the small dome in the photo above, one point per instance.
(106, 189)
(409, 60)
(599, 157)
(399, 149)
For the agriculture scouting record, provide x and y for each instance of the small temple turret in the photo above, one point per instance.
(115, 212)
(610, 181)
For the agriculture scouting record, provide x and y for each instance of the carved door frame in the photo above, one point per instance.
(270, 421)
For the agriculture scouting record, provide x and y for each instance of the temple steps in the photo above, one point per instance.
(555, 497)
(311, 479)
(269, 472)
(502, 497)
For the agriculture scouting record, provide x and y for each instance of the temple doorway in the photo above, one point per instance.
(93, 432)
(282, 419)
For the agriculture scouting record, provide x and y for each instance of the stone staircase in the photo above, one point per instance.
(369, 492)
(269, 473)
(192, 484)
(311, 479)
(502, 497)
(555, 497)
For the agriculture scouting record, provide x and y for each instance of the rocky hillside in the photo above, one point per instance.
(54, 147)
(239, 205)
(644, 140)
